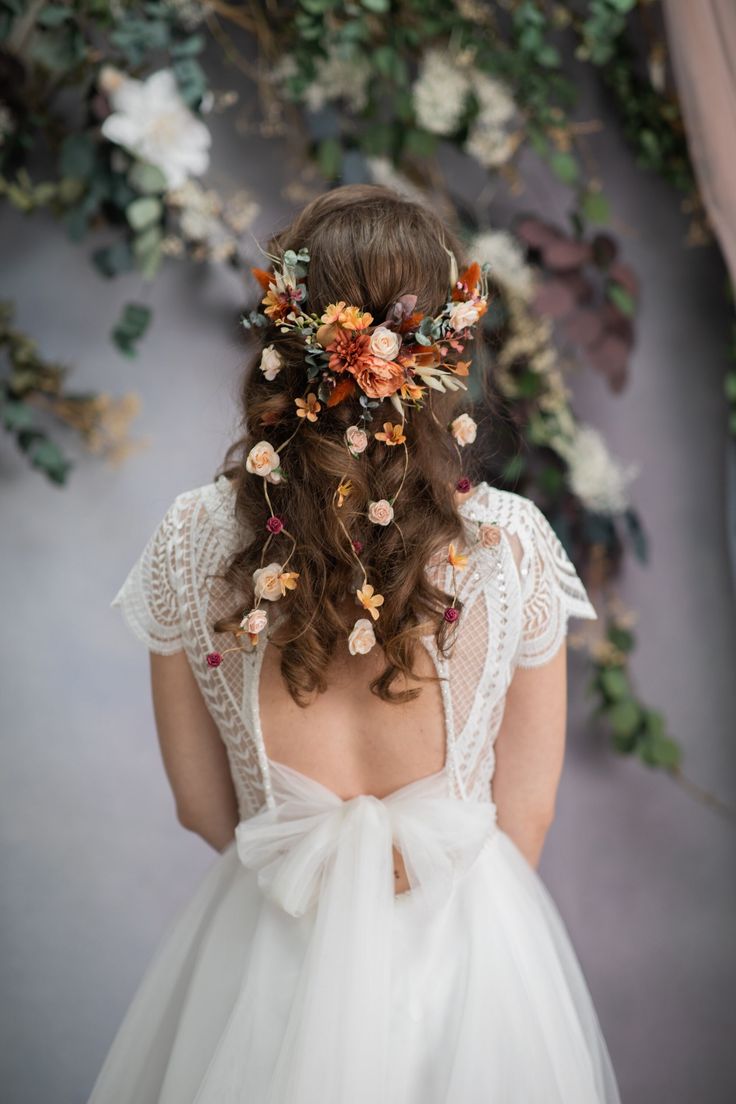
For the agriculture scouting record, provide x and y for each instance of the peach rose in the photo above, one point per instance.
(271, 362)
(267, 583)
(362, 638)
(464, 429)
(490, 536)
(379, 378)
(385, 343)
(263, 460)
(381, 512)
(357, 439)
(463, 314)
(255, 621)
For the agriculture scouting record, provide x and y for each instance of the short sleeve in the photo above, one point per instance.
(551, 590)
(149, 598)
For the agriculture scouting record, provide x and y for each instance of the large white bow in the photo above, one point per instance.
(315, 851)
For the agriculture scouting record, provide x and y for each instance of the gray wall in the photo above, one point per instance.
(95, 866)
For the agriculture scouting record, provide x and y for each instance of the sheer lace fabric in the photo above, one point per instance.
(517, 598)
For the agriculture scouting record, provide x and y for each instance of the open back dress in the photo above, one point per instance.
(296, 974)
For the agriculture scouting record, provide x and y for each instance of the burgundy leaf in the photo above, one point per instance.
(564, 254)
(610, 356)
(534, 232)
(554, 299)
(579, 286)
(585, 327)
(617, 323)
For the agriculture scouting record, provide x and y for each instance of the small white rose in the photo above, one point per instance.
(381, 512)
(271, 362)
(463, 314)
(385, 343)
(254, 621)
(263, 460)
(362, 638)
(464, 429)
(357, 439)
(266, 581)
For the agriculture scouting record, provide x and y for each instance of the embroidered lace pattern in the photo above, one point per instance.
(517, 598)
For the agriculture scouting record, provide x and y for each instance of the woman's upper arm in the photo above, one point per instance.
(193, 753)
(530, 745)
(530, 750)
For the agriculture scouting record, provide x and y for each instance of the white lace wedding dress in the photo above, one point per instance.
(295, 975)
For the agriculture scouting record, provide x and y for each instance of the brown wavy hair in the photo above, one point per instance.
(368, 246)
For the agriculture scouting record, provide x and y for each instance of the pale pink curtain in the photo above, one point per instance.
(702, 41)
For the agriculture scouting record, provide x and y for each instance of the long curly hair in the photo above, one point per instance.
(368, 246)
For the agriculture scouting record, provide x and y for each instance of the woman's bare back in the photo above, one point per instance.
(350, 740)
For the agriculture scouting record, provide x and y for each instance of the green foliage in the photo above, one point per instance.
(595, 207)
(565, 167)
(143, 212)
(22, 370)
(112, 260)
(329, 157)
(27, 197)
(603, 23)
(146, 179)
(131, 327)
(191, 80)
(635, 729)
(651, 120)
(621, 298)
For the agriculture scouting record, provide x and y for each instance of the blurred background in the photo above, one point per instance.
(588, 152)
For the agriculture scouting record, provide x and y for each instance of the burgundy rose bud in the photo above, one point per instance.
(357, 547)
(274, 524)
(463, 485)
(451, 614)
(214, 659)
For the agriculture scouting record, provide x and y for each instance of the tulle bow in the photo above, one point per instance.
(327, 863)
(312, 834)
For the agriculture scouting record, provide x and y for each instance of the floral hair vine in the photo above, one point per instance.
(403, 358)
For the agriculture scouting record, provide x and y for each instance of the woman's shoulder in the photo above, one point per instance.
(509, 510)
(207, 506)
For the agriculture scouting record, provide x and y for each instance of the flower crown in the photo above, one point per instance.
(402, 359)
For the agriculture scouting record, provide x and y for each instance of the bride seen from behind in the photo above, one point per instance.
(358, 670)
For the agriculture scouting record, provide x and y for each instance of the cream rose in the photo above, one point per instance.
(266, 581)
(271, 362)
(255, 621)
(357, 439)
(490, 536)
(463, 314)
(385, 343)
(263, 460)
(464, 429)
(381, 512)
(362, 638)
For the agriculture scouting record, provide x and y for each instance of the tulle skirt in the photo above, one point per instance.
(296, 976)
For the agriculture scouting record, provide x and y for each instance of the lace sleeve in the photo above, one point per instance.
(552, 591)
(148, 598)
